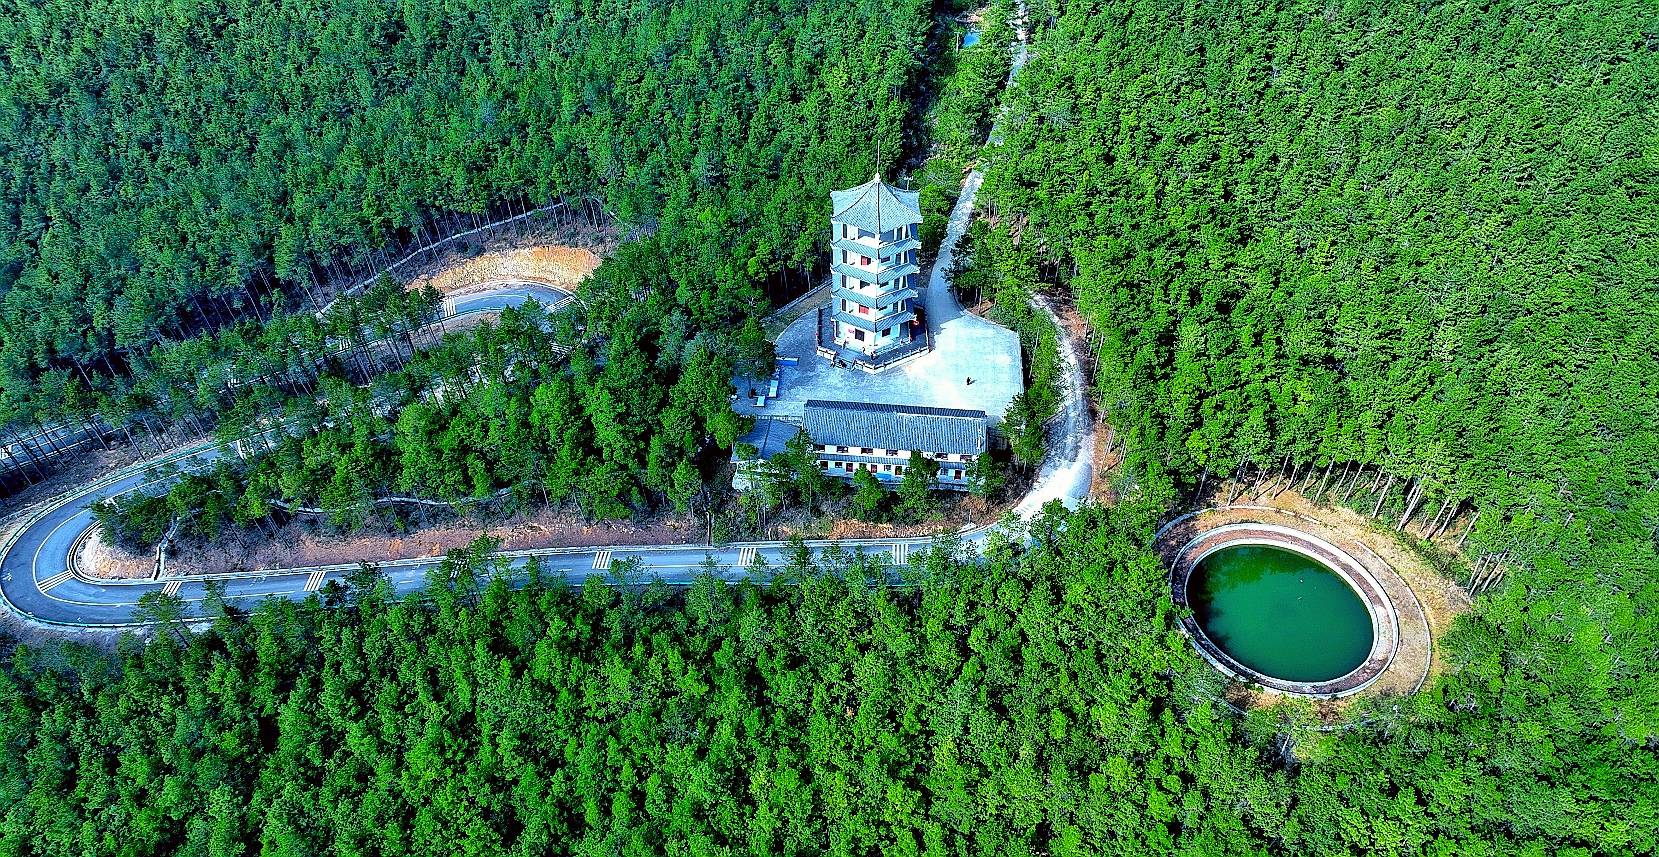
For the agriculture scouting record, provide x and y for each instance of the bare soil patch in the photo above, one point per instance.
(301, 542)
(80, 468)
(1108, 457)
(955, 512)
(95, 557)
(557, 265)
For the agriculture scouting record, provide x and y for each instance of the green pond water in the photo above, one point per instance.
(1280, 613)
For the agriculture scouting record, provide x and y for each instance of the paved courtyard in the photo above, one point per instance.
(974, 364)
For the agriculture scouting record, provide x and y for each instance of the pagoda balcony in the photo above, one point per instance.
(873, 323)
(885, 251)
(878, 276)
(876, 302)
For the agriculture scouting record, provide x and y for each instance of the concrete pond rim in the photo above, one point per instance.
(1385, 622)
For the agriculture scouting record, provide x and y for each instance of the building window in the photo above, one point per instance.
(892, 453)
(864, 450)
(864, 261)
(858, 334)
(863, 310)
(840, 449)
(898, 469)
(822, 464)
(886, 332)
(956, 474)
(887, 468)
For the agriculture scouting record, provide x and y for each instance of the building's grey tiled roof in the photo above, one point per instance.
(876, 206)
(903, 427)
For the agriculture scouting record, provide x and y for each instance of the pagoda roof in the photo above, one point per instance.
(876, 206)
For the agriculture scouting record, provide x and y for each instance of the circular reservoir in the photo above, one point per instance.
(1280, 613)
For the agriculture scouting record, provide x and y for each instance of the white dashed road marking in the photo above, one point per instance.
(602, 560)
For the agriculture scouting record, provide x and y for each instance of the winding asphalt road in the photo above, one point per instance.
(39, 583)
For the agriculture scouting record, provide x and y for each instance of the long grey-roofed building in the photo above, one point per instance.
(851, 436)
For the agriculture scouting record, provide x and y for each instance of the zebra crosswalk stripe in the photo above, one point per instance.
(901, 553)
(172, 587)
(55, 579)
(746, 557)
(315, 581)
(602, 560)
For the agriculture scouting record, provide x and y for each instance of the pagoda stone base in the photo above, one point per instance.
(841, 355)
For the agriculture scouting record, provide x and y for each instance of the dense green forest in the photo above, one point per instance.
(1414, 249)
(164, 162)
(491, 419)
(1425, 242)
(1029, 703)
(167, 165)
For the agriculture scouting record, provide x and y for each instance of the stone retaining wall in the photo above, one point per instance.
(1396, 615)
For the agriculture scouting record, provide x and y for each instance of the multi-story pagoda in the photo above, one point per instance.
(874, 316)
